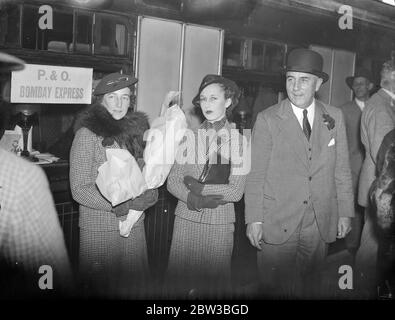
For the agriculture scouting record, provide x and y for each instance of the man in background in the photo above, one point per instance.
(33, 257)
(361, 84)
(378, 118)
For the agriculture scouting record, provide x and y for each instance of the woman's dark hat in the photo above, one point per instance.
(214, 78)
(306, 60)
(359, 73)
(10, 63)
(113, 82)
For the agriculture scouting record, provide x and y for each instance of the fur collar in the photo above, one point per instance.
(127, 132)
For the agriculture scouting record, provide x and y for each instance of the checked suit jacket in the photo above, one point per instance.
(288, 173)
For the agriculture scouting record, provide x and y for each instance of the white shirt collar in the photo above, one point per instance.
(299, 113)
(392, 95)
(361, 104)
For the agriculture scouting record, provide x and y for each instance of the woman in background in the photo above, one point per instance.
(111, 266)
(202, 243)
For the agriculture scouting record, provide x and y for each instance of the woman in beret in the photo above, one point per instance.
(202, 243)
(111, 266)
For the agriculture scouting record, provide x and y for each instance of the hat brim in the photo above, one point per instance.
(350, 80)
(10, 63)
(103, 89)
(324, 76)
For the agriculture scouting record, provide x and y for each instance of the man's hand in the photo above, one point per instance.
(255, 234)
(343, 227)
(193, 185)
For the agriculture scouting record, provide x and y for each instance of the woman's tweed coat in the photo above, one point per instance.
(110, 265)
(202, 243)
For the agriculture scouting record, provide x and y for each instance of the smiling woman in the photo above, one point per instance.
(111, 266)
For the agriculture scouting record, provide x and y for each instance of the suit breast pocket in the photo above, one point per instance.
(268, 202)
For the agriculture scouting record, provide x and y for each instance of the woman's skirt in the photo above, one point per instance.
(112, 266)
(200, 260)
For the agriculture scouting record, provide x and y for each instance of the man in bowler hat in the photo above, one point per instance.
(299, 192)
(361, 84)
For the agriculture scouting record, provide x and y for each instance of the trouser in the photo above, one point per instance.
(292, 269)
(366, 258)
(353, 238)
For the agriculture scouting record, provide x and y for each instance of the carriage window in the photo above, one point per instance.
(233, 52)
(57, 39)
(267, 56)
(110, 35)
(61, 36)
(83, 35)
(9, 25)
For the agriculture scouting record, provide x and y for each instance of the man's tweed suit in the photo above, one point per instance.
(378, 118)
(30, 233)
(295, 184)
(202, 241)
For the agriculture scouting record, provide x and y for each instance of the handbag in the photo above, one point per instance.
(215, 173)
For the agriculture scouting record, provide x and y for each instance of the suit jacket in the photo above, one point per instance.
(352, 117)
(30, 232)
(378, 118)
(192, 147)
(288, 173)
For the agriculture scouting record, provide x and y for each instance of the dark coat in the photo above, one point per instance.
(96, 130)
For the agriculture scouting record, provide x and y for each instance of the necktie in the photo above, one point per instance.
(306, 125)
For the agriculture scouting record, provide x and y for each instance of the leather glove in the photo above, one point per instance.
(121, 209)
(145, 200)
(193, 185)
(197, 202)
(141, 203)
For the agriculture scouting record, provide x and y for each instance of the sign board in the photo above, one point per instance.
(51, 84)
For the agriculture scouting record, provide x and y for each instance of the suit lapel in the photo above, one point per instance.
(292, 133)
(320, 136)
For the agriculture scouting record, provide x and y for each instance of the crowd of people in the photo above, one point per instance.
(312, 168)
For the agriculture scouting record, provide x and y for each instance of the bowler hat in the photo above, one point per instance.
(113, 82)
(10, 63)
(359, 73)
(306, 60)
(214, 78)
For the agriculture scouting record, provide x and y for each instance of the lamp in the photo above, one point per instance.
(242, 113)
(26, 117)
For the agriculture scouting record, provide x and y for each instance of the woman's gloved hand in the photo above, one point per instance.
(145, 200)
(141, 203)
(193, 185)
(196, 202)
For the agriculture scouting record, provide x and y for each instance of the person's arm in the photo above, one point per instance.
(379, 124)
(147, 199)
(82, 179)
(343, 180)
(261, 149)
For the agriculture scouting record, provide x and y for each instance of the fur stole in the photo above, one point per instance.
(128, 132)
